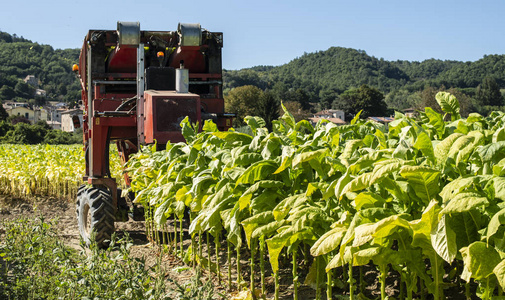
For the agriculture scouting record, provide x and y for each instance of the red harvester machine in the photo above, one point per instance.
(137, 86)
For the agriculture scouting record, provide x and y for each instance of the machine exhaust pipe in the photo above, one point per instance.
(182, 79)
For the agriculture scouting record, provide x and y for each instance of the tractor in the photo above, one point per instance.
(137, 87)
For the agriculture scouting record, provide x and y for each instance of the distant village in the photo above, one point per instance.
(56, 114)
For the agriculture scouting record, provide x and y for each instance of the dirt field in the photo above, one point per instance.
(64, 212)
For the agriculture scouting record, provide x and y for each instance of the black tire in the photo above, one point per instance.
(95, 213)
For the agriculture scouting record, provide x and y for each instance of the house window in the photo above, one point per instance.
(27, 115)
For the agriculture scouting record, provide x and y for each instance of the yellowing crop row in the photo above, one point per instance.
(45, 170)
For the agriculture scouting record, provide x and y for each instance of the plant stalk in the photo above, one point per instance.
(218, 268)
(295, 275)
(239, 276)
(228, 244)
(253, 249)
(328, 284)
(262, 264)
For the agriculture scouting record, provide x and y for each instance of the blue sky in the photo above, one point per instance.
(275, 32)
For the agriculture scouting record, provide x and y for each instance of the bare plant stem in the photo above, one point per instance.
(328, 284)
(229, 264)
(218, 268)
(295, 275)
(253, 249)
(239, 276)
(262, 264)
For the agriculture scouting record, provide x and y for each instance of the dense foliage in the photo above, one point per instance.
(20, 57)
(420, 197)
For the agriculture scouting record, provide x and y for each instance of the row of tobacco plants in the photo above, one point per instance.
(423, 198)
(45, 170)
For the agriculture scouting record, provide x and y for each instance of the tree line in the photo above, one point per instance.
(351, 80)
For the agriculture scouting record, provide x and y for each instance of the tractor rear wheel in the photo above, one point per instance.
(95, 215)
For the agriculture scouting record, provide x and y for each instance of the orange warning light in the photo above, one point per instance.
(75, 67)
(160, 54)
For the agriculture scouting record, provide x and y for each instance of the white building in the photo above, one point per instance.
(335, 116)
(67, 119)
(330, 113)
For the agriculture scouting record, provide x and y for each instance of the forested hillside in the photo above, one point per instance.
(323, 77)
(20, 57)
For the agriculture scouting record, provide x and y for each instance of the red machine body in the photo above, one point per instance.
(129, 96)
(164, 111)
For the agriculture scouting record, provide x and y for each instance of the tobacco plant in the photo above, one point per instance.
(429, 189)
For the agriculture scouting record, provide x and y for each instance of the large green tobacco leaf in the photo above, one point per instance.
(357, 184)
(250, 224)
(282, 209)
(287, 158)
(365, 162)
(255, 122)
(350, 149)
(381, 229)
(464, 154)
(328, 241)
(436, 121)
(466, 225)
(460, 144)
(422, 227)
(246, 159)
(499, 271)
(246, 197)
(499, 188)
(258, 171)
(479, 261)
(496, 221)
(463, 202)
(443, 240)
(308, 156)
(449, 104)
(424, 144)
(442, 149)
(233, 136)
(459, 185)
(159, 215)
(267, 229)
(368, 200)
(492, 152)
(287, 117)
(424, 181)
(383, 168)
(363, 234)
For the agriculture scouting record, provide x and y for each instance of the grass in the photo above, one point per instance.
(35, 264)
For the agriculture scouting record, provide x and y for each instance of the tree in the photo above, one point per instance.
(488, 93)
(365, 98)
(7, 93)
(428, 99)
(3, 113)
(399, 100)
(24, 90)
(327, 97)
(296, 109)
(243, 101)
(268, 108)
